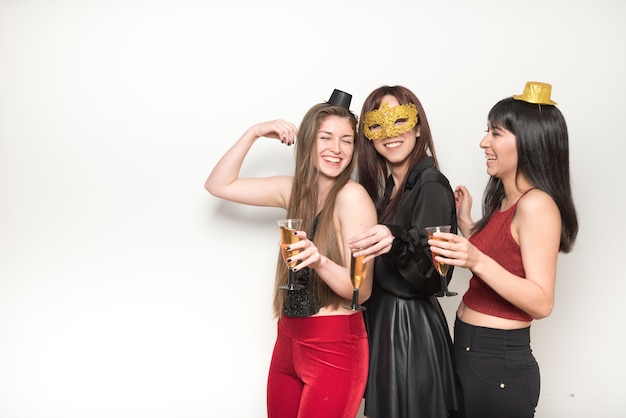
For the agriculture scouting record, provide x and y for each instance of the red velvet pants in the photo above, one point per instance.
(319, 367)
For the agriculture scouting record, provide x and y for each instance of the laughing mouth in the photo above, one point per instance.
(393, 144)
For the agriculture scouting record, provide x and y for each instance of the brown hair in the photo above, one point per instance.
(304, 197)
(372, 167)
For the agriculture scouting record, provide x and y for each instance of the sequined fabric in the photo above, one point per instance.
(303, 302)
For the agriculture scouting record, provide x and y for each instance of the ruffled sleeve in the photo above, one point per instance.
(428, 201)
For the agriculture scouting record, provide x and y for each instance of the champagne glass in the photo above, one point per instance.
(358, 273)
(287, 228)
(442, 268)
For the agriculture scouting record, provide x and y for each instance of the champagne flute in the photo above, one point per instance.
(287, 229)
(442, 268)
(358, 273)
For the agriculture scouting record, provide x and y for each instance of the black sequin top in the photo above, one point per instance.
(303, 302)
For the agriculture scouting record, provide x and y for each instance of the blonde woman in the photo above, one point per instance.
(319, 364)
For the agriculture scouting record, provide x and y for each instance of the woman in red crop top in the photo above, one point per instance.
(528, 218)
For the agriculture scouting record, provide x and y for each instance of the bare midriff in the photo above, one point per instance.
(328, 310)
(472, 317)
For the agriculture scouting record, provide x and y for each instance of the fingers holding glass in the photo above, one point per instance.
(442, 268)
(288, 227)
(358, 274)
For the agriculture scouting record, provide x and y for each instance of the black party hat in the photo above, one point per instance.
(340, 98)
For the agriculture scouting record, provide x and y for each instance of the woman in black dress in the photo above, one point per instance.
(411, 372)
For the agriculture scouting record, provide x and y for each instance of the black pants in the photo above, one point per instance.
(497, 370)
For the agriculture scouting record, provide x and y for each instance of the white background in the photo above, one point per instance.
(127, 291)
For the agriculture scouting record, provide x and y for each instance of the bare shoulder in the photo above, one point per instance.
(353, 191)
(537, 203)
(354, 209)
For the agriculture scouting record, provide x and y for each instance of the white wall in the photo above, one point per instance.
(126, 290)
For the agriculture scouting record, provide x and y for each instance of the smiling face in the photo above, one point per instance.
(335, 146)
(396, 149)
(500, 148)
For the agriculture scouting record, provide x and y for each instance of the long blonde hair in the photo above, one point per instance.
(304, 199)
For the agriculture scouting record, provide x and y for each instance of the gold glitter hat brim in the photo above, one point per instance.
(537, 93)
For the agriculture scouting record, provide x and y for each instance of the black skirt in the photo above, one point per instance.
(411, 371)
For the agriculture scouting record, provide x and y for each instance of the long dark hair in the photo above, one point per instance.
(372, 167)
(543, 158)
(304, 196)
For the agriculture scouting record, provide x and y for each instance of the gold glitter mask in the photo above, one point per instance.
(389, 122)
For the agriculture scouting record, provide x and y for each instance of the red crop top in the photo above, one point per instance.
(496, 241)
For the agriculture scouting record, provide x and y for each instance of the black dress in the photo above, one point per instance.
(411, 371)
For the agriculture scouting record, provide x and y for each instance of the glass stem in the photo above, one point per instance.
(355, 298)
(290, 281)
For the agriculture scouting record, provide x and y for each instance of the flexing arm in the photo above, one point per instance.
(224, 181)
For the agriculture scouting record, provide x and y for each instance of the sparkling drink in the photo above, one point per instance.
(287, 229)
(358, 271)
(442, 268)
(288, 238)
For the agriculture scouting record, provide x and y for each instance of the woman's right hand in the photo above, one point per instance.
(375, 241)
(285, 132)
